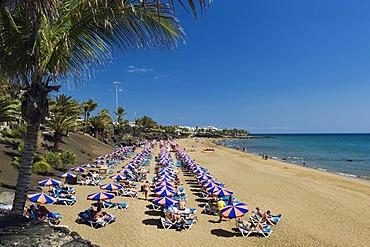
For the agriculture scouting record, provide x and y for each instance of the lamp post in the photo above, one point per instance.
(116, 83)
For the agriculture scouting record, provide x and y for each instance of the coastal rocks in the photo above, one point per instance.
(34, 233)
(6, 197)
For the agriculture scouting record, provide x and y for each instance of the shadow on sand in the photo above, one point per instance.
(153, 222)
(223, 233)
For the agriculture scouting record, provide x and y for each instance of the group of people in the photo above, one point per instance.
(99, 215)
(259, 220)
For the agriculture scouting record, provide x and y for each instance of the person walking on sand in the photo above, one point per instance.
(146, 188)
(304, 162)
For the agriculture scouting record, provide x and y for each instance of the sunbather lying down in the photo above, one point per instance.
(42, 213)
(99, 215)
(267, 217)
(249, 225)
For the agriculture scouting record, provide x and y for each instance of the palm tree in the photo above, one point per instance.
(87, 108)
(9, 109)
(64, 114)
(39, 164)
(49, 8)
(40, 50)
(98, 123)
(120, 113)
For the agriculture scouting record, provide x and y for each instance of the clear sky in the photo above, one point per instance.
(289, 66)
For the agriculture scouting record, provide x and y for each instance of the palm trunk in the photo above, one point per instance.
(24, 175)
(57, 140)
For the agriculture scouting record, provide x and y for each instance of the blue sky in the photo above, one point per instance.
(292, 66)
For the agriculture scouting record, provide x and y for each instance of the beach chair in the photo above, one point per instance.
(188, 224)
(86, 218)
(127, 192)
(208, 209)
(204, 194)
(66, 201)
(52, 218)
(59, 190)
(156, 207)
(167, 224)
(265, 232)
(118, 205)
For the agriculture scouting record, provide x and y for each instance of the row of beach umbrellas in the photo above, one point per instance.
(216, 189)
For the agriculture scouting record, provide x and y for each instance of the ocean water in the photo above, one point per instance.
(345, 154)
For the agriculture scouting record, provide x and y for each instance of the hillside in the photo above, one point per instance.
(85, 146)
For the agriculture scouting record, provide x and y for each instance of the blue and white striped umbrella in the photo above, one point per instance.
(78, 169)
(164, 201)
(118, 177)
(41, 198)
(111, 186)
(100, 196)
(88, 166)
(67, 175)
(49, 182)
(234, 210)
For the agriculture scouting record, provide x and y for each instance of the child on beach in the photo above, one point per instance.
(146, 188)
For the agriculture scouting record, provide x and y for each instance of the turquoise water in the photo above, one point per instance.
(345, 154)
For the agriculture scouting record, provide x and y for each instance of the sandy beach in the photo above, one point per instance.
(318, 208)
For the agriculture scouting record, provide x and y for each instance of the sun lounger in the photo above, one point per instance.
(59, 190)
(51, 218)
(265, 232)
(167, 224)
(86, 218)
(156, 207)
(66, 201)
(118, 205)
(127, 192)
(189, 223)
(209, 209)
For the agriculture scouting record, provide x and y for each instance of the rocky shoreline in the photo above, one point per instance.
(15, 231)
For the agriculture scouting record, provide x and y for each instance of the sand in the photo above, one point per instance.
(318, 208)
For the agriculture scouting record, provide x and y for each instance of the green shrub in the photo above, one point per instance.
(54, 159)
(19, 131)
(67, 158)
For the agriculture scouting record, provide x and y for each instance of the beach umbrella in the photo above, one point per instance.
(100, 196)
(164, 172)
(164, 201)
(166, 183)
(49, 182)
(164, 192)
(124, 171)
(204, 176)
(164, 187)
(234, 210)
(41, 198)
(161, 179)
(130, 166)
(99, 162)
(222, 192)
(213, 189)
(210, 184)
(88, 166)
(78, 169)
(118, 177)
(67, 175)
(111, 186)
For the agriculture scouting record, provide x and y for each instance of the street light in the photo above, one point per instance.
(116, 83)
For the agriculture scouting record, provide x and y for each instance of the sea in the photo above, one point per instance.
(344, 154)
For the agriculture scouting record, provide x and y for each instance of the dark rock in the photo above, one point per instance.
(38, 234)
(75, 235)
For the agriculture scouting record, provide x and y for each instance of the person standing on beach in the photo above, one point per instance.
(304, 162)
(220, 205)
(146, 188)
